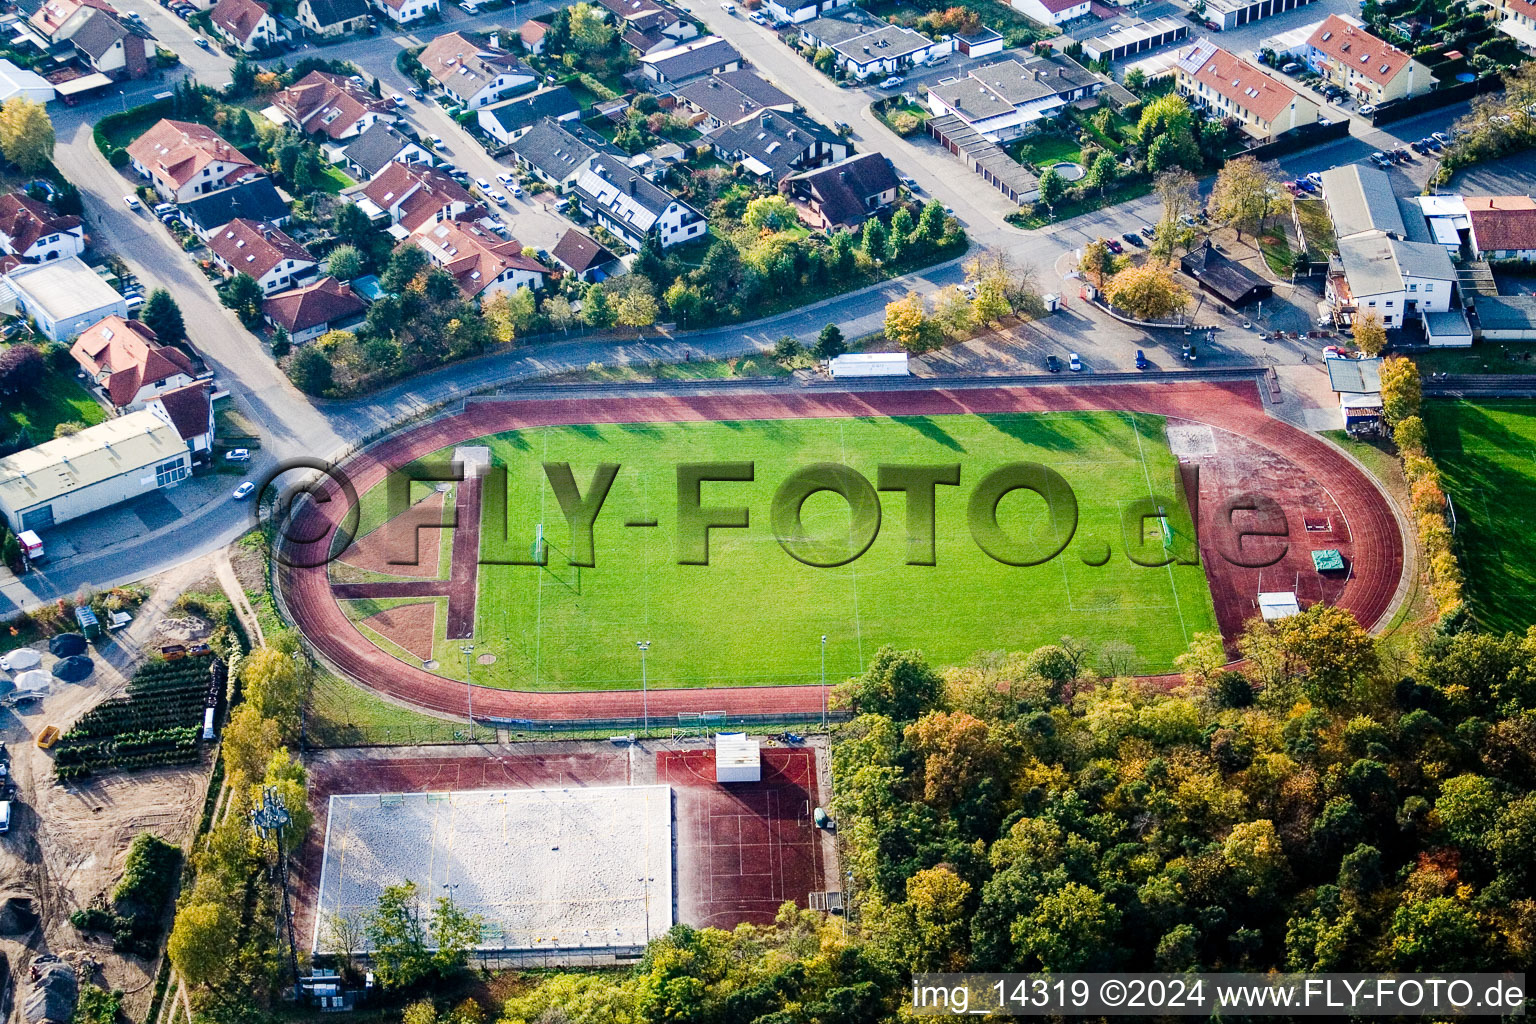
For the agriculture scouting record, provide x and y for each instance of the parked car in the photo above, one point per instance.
(1053, 364)
(1292, 188)
(1114, 246)
(244, 491)
(1419, 147)
(1074, 363)
(1141, 360)
(1133, 238)
(482, 185)
(894, 82)
(238, 455)
(757, 18)
(506, 179)
(517, 191)
(161, 209)
(397, 100)
(1367, 109)
(1381, 160)
(436, 141)
(1290, 68)
(203, 43)
(498, 198)
(132, 202)
(418, 94)
(1441, 137)
(728, 8)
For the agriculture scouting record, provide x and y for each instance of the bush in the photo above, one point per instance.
(118, 158)
(904, 123)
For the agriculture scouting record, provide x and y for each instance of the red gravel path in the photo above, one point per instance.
(1306, 465)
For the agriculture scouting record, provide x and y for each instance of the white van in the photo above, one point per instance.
(5, 815)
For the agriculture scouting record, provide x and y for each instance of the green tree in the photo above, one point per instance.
(773, 213)
(275, 686)
(202, 943)
(1166, 128)
(1400, 390)
(897, 684)
(242, 81)
(1103, 173)
(454, 934)
(932, 933)
(404, 264)
(345, 263)
(1069, 929)
(1468, 808)
(1136, 80)
(397, 938)
(875, 241)
(26, 134)
(1052, 187)
(830, 343)
(930, 224)
(161, 315)
(901, 235)
(907, 323)
(595, 311)
(310, 371)
(243, 294)
(1437, 934)
(637, 309)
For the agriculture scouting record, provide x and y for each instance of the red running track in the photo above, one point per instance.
(1373, 542)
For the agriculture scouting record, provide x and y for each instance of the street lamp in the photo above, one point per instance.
(645, 700)
(469, 686)
(823, 682)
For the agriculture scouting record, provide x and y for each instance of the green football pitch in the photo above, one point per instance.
(754, 615)
(1487, 456)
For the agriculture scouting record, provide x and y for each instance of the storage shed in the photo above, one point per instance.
(869, 364)
(737, 758)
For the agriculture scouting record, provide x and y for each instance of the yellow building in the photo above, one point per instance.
(1210, 77)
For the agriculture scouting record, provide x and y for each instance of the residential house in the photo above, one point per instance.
(844, 194)
(646, 26)
(1003, 101)
(63, 296)
(799, 11)
(321, 103)
(332, 19)
(1371, 69)
(776, 144)
(507, 122)
(1216, 80)
(482, 263)
(377, 148)
(313, 309)
(97, 468)
(190, 411)
(252, 199)
(32, 232)
(415, 197)
(246, 24)
(1052, 12)
(406, 12)
(475, 74)
(127, 365)
(110, 47)
(888, 50)
(1517, 19)
(584, 257)
(57, 20)
(730, 98)
(266, 253)
(558, 153)
(532, 34)
(183, 159)
(694, 59)
(981, 43)
(1503, 227)
(1394, 279)
(634, 208)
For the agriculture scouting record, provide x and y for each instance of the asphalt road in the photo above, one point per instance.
(296, 426)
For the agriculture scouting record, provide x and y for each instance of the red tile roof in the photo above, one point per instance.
(1057, 6)
(123, 356)
(1524, 7)
(52, 15)
(190, 408)
(255, 248)
(474, 256)
(1355, 47)
(323, 102)
(1502, 222)
(1241, 82)
(178, 150)
(419, 192)
(465, 65)
(24, 220)
(239, 17)
(532, 32)
(324, 302)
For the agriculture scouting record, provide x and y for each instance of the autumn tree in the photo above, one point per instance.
(953, 314)
(1147, 292)
(1400, 389)
(772, 213)
(1097, 262)
(1370, 335)
(26, 134)
(202, 943)
(275, 686)
(637, 310)
(907, 323)
(1167, 130)
(929, 928)
(897, 684)
(344, 263)
(955, 751)
(1245, 194)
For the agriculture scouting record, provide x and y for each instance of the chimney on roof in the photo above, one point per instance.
(632, 180)
(1061, 72)
(495, 40)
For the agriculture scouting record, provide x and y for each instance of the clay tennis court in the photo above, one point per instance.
(741, 849)
(1250, 450)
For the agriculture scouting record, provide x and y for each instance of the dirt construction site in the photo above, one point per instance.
(68, 841)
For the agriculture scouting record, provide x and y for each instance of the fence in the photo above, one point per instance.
(1397, 110)
(1305, 137)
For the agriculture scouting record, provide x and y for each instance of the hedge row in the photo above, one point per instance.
(1401, 397)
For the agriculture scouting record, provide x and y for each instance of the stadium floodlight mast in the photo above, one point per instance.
(823, 682)
(469, 686)
(645, 700)
(270, 819)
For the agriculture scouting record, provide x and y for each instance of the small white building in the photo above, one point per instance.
(869, 364)
(737, 758)
(1279, 604)
(1051, 12)
(64, 296)
(99, 467)
(16, 81)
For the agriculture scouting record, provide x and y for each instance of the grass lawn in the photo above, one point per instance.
(1316, 228)
(342, 713)
(1045, 150)
(704, 369)
(754, 615)
(59, 399)
(1487, 454)
(1491, 357)
(332, 180)
(1067, 209)
(1276, 248)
